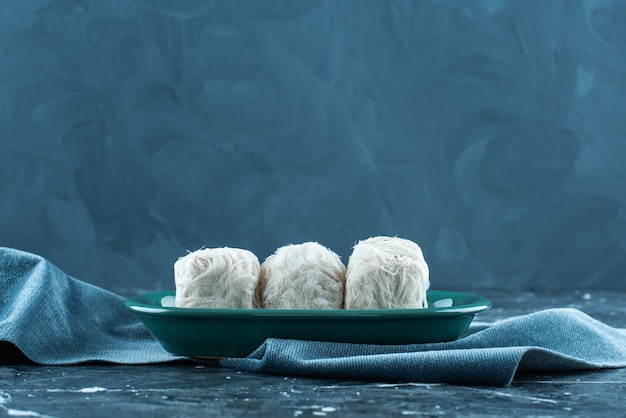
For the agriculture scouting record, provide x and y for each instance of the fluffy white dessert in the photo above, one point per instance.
(302, 276)
(217, 278)
(386, 273)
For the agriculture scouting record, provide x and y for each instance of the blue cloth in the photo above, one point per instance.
(55, 319)
(549, 340)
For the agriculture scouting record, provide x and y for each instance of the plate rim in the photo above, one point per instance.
(134, 304)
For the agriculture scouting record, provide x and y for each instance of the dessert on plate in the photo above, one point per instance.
(217, 278)
(386, 273)
(302, 276)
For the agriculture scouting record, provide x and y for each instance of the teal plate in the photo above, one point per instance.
(219, 333)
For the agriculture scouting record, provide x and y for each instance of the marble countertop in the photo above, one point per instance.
(192, 389)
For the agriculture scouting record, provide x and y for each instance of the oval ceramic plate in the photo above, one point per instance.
(219, 333)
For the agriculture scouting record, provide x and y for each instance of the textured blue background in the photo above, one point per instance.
(491, 132)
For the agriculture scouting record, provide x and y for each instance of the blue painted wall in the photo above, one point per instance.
(491, 132)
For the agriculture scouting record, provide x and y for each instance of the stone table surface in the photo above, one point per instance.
(192, 389)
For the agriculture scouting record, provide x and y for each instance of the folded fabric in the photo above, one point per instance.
(549, 340)
(55, 319)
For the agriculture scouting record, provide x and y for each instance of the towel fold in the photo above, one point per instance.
(55, 319)
(549, 340)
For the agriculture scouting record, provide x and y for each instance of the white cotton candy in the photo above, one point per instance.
(386, 273)
(217, 278)
(302, 276)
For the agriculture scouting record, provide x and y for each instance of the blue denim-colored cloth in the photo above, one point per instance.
(549, 340)
(55, 319)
